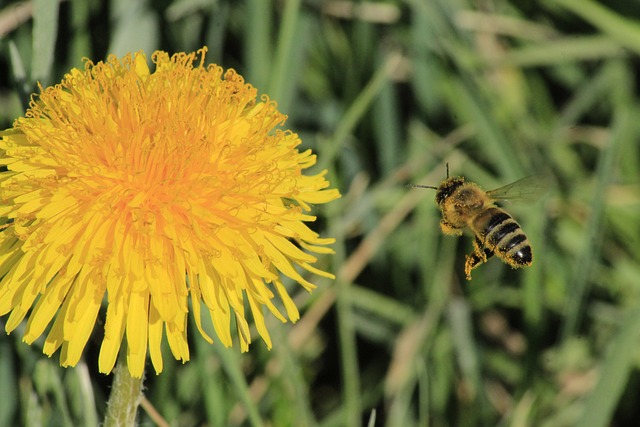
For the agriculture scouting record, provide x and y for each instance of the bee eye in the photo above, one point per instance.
(448, 188)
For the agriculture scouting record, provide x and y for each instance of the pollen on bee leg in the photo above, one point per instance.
(480, 255)
(448, 228)
(472, 262)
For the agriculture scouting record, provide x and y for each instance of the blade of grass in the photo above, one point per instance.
(45, 32)
(357, 110)
(47, 378)
(561, 51)
(290, 377)
(381, 306)
(459, 317)
(8, 396)
(258, 52)
(462, 333)
(346, 337)
(387, 125)
(19, 75)
(288, 53)
(532, 291)
(215, 36)
(81, 44)
(32, 411)
(619, 362)
(625, 31)
(622, 131)
(230, 361)
(413, 345)
(464, 98)
(85, 395)
(214, 394)
(137, 28)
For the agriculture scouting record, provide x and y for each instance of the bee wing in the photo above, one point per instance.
(529, 189)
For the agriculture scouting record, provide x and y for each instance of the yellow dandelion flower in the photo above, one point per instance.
(152, 193)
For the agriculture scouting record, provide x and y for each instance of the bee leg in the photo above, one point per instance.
(448, 228)
(480, 255)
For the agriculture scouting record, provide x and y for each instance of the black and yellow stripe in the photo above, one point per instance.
(503, 235)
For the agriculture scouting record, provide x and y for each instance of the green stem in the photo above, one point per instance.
(126, 393)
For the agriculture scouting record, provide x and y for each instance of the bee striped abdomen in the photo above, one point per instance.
(503, 235)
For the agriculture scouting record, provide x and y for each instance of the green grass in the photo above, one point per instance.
(387, 95)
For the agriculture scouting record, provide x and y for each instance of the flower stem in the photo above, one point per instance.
(126, 393)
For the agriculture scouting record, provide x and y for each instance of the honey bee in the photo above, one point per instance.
(465, 205)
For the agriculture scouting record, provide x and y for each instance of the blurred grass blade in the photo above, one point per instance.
(387, 128)
(461, 323)
(47, 379)
(564, 50)
(464, 97)
(358, 108)
(618, 364)
(258, 52)
(626, 31)
(622, 130)
(8, 396)
(346, 335)
(19, 75)
(137, 29)
(45, 32)
(230, 361)
(285, 66)
(85, 396)
(372, 419)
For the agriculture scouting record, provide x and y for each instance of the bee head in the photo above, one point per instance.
(447, 188)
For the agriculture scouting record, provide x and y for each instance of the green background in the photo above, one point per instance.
(387, 93)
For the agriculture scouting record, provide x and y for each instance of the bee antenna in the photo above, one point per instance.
(447, 170)
(421, 186)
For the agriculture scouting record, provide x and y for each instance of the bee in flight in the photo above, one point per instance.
(464, 204)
